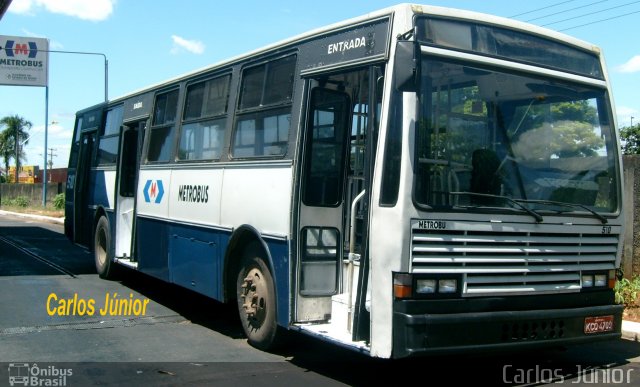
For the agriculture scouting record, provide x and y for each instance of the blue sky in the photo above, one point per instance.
(148, 41)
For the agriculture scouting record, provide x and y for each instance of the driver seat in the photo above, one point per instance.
(484, 176)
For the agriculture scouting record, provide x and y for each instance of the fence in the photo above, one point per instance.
(31, 191)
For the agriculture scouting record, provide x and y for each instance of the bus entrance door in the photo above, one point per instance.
(334, 198)
(128, 164)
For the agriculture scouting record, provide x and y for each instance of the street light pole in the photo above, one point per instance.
(46, 122)
(106, 66)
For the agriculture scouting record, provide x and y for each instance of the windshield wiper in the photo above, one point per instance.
(529, 211)
(554, 203)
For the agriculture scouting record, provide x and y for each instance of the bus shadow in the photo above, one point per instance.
(195, 307)
(53, 249)
(576, 365)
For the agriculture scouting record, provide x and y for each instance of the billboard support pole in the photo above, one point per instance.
(46, 136)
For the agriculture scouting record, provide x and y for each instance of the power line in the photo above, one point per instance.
(566, 10)
(590, 13)
(540, 9)
(599, 21)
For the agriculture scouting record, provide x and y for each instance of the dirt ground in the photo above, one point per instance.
(632, 313)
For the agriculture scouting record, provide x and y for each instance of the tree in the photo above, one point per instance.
(558, 129)
(6, 152)
(630, 140)
(12, 138)
(562, 139)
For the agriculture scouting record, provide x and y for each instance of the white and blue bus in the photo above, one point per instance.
(416, 180)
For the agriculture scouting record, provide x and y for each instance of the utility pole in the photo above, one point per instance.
(51, 156)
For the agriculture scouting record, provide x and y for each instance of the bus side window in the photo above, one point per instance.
(163, 127)
(264, 119)
(204, 121)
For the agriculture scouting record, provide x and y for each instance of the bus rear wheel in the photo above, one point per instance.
(257, 300)
(103, 259)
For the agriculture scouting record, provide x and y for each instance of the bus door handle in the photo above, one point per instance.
(352, 226)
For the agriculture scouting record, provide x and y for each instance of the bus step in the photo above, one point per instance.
(127, 262)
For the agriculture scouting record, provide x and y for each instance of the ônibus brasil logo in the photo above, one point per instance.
(12, 49)
(153, 191)
(34, 375)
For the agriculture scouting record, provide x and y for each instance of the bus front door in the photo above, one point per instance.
(128, 166)
(334, 197)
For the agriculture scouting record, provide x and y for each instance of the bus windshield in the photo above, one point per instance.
(483, 133)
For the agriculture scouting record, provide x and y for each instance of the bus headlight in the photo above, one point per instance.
(600, 280)
(587, 280)
(447, 286)
(425, 286)
(597, 280)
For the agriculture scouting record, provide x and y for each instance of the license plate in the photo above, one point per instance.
(598, 324)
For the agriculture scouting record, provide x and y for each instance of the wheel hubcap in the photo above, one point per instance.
(101, 248)
(253, 297)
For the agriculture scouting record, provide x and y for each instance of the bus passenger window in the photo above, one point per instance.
(264, 119)
(204, 120)
(163, 128)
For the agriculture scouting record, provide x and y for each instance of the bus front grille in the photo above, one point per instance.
(503, 258)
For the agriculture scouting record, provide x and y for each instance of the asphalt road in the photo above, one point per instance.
(185, 338)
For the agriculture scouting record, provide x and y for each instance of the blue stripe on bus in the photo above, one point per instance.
(192, 257)
(279, 250)
(151, 247)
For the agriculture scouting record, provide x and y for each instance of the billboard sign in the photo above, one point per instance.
(24, 61)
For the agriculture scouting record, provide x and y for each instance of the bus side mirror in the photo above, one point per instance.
(406, 71)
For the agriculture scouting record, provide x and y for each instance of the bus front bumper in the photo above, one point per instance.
(416, 334)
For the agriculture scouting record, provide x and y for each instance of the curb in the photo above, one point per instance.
(630, 330)
(43, 218)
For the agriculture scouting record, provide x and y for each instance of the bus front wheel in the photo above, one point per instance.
(102, 240)
(257, 300)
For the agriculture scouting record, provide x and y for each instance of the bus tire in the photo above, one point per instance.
(257, 300)
(103, 259)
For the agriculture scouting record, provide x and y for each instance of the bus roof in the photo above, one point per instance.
(406, 9)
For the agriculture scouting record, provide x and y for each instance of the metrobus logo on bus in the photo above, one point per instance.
(29, 49)
(153, 191)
